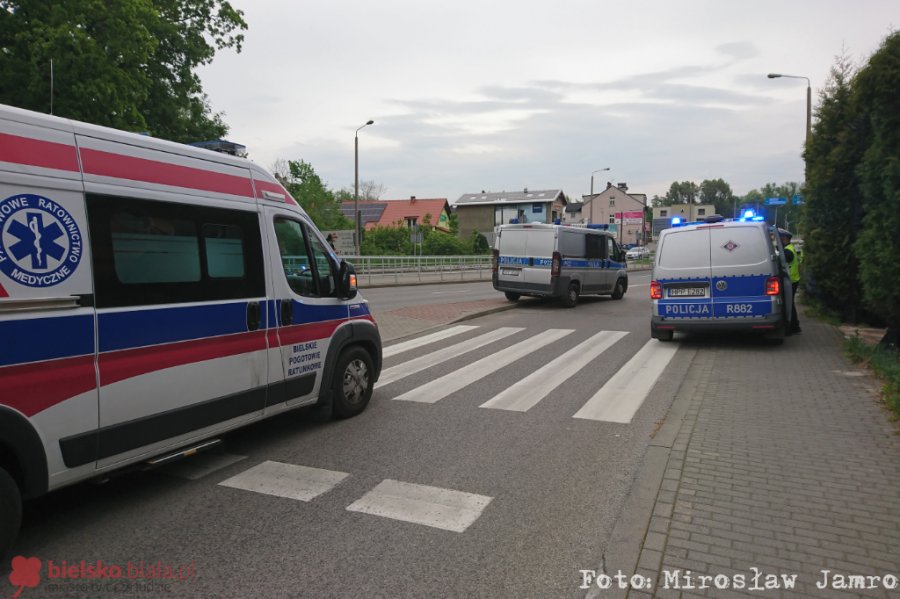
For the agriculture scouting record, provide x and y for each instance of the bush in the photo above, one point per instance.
(885, 363)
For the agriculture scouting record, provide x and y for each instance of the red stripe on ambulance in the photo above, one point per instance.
(107, 164)
(32, 388)
(36, 152)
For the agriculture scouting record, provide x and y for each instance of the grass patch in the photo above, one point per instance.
(816, 310)
(884, 362)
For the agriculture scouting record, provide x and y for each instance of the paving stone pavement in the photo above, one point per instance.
(773, 460)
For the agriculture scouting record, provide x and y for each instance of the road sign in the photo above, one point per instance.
(798, 200)
(776, 201)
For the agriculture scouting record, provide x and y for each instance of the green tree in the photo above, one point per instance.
(876, 103)
(127, 64)
(387, 241)
(718, 193)
(834, 202)
(685, 192)
(302, 182)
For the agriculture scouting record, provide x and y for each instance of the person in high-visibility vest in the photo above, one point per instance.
(792, 257)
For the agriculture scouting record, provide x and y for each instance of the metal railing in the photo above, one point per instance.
(373, 270)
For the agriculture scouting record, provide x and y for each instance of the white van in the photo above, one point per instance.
(557, 261)
(154, 295)
(720, 275)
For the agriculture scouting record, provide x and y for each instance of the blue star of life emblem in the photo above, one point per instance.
(40, 242)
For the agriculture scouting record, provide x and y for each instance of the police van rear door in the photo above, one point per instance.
(741, 263)
(683, 271)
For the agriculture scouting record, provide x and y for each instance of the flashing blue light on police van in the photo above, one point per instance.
(749, 214)
(758, 219)
(676, 221)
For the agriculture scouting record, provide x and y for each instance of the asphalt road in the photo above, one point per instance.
(537, 491)
(382, 299)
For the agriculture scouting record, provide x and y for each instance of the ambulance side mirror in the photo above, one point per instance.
(347, 287)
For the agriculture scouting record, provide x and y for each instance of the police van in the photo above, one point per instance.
(154, 295)
(720, 275)
(559, 261)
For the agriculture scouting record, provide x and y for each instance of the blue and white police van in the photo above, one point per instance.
(559, 261)
(154, 295)
(720, 275)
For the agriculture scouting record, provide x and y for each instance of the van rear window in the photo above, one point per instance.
(685, 249)
(739, 246)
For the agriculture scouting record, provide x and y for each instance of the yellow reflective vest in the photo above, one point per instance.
(793, 265)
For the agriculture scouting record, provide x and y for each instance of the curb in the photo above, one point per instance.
(633, 523)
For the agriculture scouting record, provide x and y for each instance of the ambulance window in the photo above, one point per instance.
(309, 277)
(224, 251)
(148, 252)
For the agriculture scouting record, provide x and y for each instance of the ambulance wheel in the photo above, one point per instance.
(10, 513)
(571, 297)
(513, 297)
(619, 292)
(352, 385)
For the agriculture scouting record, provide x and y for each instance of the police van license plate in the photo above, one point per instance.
(687, 291)
(510, 271)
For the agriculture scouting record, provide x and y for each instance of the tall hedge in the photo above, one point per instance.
(876, 101)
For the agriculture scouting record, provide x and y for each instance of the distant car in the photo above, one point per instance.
(636, 253)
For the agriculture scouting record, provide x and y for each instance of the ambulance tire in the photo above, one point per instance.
(513, 297)
(352, 386)
(619, 292)
(10, 513)
(570, 299)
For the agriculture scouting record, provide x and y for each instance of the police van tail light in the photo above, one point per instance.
(773, 286)
(655, 290)
(495, 260)
(555, 264)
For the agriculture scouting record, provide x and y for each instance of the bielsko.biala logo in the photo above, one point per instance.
(40, 243)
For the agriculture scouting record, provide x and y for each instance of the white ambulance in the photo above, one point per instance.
(154, 295)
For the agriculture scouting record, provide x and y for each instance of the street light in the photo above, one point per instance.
(808, 100)
(356, 187)
(592, 177)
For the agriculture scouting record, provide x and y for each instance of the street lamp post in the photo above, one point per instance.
(356, 232)
(592, 177)
(808, 100)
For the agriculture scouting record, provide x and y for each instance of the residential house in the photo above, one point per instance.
(411, 212)
(483, 211)
(614, 206)
(663, 215)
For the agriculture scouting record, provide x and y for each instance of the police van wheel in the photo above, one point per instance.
(619, 292)
(10, 513)
(571, 297)
(513, 297)
(352, 388)
(661, 335)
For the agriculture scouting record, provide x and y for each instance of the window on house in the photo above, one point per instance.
(701, 211)
(612, 202)
(664, 213)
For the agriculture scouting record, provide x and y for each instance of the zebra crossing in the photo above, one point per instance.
(616, 401)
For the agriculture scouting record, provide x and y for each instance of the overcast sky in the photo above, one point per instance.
(499, 95)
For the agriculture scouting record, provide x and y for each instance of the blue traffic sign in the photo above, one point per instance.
(776, 201)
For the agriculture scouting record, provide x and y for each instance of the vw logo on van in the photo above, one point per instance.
(721, 285)
(40, 243)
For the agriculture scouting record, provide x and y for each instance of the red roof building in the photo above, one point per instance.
(392, 213)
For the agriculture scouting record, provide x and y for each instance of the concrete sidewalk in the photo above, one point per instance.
(772, 461)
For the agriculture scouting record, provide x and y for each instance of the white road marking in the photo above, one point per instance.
(286, 480)
(414, 343)
(450, 383)
(395, 373)
(432, 506)
(619, 399)
(526, 393)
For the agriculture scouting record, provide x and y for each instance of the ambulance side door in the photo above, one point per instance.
(307, 311)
